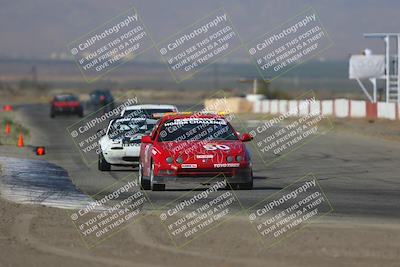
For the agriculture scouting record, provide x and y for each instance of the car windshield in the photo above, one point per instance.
(66, 98)
(196, 129)
(146, 113)
(130, 128)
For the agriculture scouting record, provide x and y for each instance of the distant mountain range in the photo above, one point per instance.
(313, 75)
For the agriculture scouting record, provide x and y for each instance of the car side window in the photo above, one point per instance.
(153, 134)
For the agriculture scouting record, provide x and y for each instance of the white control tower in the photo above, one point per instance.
(379, 67)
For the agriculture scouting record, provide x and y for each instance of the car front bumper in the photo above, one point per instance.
(231, 175)
(125, 156)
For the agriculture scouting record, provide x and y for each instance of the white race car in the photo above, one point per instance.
(121, 143)
(147, 111)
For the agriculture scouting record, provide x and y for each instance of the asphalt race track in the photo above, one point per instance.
(357, 173)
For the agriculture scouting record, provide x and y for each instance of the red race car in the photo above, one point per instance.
(65, 104)
(194, 147)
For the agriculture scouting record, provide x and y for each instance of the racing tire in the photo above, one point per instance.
(241, 186)
(246, 186)
(80, 113)
(155, 187)
(103, 165)
(144, 183)
(158, 187)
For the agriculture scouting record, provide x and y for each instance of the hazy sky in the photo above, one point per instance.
(37, 28)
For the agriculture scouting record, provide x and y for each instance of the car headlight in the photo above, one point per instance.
(229, 158)
(179, 160)
(238, 158)
(169, 160)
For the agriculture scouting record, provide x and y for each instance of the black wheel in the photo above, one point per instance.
(144, 181)
(103, 165)
(80, 113)
(246, 186)
(158, 187)
(154, 186)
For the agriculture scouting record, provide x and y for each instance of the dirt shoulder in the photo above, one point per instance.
(37, 236)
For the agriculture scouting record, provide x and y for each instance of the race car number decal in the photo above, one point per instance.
(215, 147)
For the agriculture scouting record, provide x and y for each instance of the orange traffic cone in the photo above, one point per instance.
(8, 128)
(20, 140)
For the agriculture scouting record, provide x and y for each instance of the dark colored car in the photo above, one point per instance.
(66, 104)
(101, 98)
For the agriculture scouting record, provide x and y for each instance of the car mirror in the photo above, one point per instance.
(146, 139)
(246, 137)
